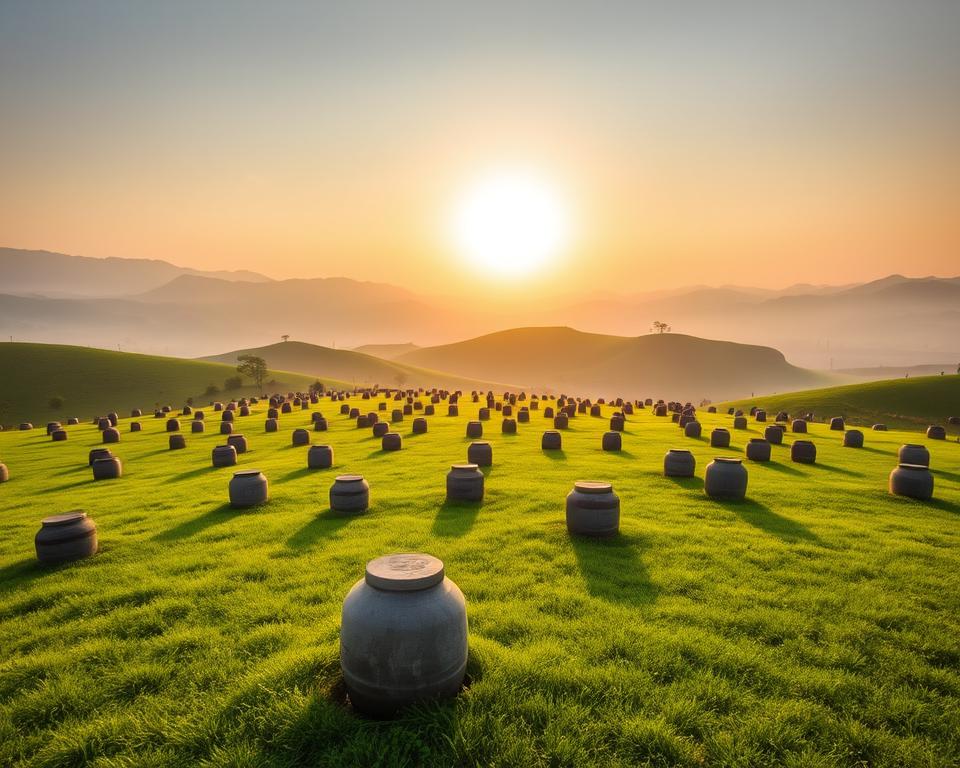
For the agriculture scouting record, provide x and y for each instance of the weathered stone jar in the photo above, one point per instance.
(679, 463)
(300, 437)
(936, 432)
(551, 440)
(239, 442)
(480, 453)
(224, 456)
(912, 480)
(391, 442)
(720, 438)
(110, 435)
(196, 427)
(349, 494)
(320, 457)
(740, 422)
(611, 441)
(464, 483)
(692, 429)
(4, 473)
(912, 453)
(64, 538)
(177, 442)
(837, 424)
(419, 426)
(403, 635)
(509, 427)
(774, 434)
(561, 421)
(758, 449)
(798, 426)
(107, 468)
(725, 478)
(593, 509)
(248, 488)
(853, 438)
(380, 429)
(803, 452)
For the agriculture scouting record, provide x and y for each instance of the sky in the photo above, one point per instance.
(758, 143)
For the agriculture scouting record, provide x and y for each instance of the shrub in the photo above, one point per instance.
(55, 403)
(211, 389)
(234, 382)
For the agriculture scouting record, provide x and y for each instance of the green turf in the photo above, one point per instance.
(817, 623)
(96, 381)
(903, 403)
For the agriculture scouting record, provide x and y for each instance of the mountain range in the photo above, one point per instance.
(156, 307)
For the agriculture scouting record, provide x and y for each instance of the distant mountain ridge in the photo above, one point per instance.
(561, 359)
(49, 274)
(895, 321)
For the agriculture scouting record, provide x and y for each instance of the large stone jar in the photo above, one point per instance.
(853, 438)
(62, 538)
(758, 449)
(593, 509)
(320, 457)
(248, 488)
(403, 635)
(803, 452)
(349, 494)
(725, 478)
(464, 483)
(679, 463)
(480, 453)
(720, 438)
(912, 480)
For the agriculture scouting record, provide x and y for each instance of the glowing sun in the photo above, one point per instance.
(510, 222)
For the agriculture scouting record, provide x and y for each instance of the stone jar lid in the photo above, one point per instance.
(917, 467)
(585, 486)
(464, 467)
(727, 460)
(65, 519)
(350, 479)
(404, 572)
(247, 473)
(679, 450)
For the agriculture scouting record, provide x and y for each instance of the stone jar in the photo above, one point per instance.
(349, 494)
(403, 635)
(464, 483)
(67, 537)
(912, 480)
(725, 478)
(679, 463)
(248, 488)
(593, 509)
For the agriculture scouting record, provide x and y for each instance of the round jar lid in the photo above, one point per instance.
(404, 572)
(65, 519)
(679, 450)
(585, 486)
(349, 478)
(916, 467)
(247, 473)
(727, 460)
(464, 467)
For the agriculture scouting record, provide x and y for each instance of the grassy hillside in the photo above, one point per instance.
(908, 403)
(354, 367)
(668, 365)
(817, 623)
(386, 351)
(95, 381)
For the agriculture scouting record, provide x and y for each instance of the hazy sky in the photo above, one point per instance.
(756, 143)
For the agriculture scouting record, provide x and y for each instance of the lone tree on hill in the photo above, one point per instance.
(254, 367)
(286, 337)
(660, 327)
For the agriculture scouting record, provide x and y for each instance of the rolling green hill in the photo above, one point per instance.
(356, 367)
(670, 365)
(95, 381)
(814, 624)
(906, 403)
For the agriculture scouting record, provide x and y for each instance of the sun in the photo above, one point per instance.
(511, 222)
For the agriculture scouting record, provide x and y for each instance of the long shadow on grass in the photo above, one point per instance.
(68, 486)
(946, 506)
(613, 568)
(215, 516)
(947, 475)
(17, 574)
(190, 473)
(297, 473)
(762, 517)
(555, 454)
(324, 524)
(778, 467)
(838, 470)
(455, 518)
(690, 483)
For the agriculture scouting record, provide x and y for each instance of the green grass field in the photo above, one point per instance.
(96, 381)
(903, 403)
(815, 624)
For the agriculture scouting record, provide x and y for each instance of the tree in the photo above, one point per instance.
(660, 327)
(317, 387)
(233, 382)
(55, 403)
(286, 337)
(254, 367)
